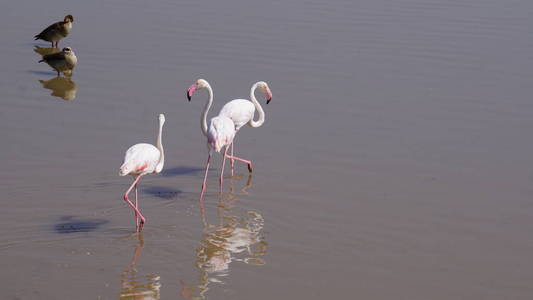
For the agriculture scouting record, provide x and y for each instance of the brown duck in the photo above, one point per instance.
(62, 61)
(57, 31)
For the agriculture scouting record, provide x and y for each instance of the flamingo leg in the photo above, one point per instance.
(222, 170)
(137, 206)
(205, 177)
(248, 162)
(232, 160)
(143, 219)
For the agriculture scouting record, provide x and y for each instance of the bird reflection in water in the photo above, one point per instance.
(45, 50)
(235, 238)
(132, 288)
(62, 87)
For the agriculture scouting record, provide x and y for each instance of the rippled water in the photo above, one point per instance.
(394, 161)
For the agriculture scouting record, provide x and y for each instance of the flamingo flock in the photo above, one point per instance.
(142, 159)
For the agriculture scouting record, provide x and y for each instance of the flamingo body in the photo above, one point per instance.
(240, 111)
(220, 133)
(141, 159)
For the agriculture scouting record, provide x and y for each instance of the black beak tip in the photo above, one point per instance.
(188, 96)
(268, 100)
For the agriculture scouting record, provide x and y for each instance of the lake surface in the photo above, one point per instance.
(395, 161)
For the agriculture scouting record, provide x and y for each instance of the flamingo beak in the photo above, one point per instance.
(190, 91)
(269, 95)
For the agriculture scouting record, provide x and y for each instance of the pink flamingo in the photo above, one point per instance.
(241, 112)
(220, 133)
(142, 159)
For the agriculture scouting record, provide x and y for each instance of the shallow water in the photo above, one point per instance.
(394, 162)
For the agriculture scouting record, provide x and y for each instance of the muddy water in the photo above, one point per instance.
(395, 161)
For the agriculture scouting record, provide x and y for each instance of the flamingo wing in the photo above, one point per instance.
(140, 159)
(240, 111)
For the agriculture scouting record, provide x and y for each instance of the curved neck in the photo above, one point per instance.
(258, 107)
(203, 119)
(159, 145)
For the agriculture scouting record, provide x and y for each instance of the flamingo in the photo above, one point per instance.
(142, 159)
(241, 112)
(220, 132)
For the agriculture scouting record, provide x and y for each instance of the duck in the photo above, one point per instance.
(57, 31)
(62, 61)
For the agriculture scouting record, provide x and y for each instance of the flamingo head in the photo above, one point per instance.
(263, 86)
(161, 119)
(199, 84)
(68, 19)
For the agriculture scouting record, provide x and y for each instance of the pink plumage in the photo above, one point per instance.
(139, 160)
(219, 133)
(242, 111)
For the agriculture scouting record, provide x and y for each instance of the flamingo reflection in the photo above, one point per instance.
(235, 238)
(134, 288)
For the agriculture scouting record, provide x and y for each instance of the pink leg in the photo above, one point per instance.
(249, 163)
(137, 206)
(205, 177)
(137, 212)
(222, 170)
(232, 160)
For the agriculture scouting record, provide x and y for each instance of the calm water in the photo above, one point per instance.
(395, 162)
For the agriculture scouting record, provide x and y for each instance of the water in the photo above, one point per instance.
(394, 162)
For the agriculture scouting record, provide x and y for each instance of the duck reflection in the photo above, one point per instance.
(46, 50)
(62, 87)
(235, 238)
(133, 288)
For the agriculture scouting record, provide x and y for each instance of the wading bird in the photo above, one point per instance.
(57, 31)
(142, 159)
(241, 112)
(63, 61)
(220, 132)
